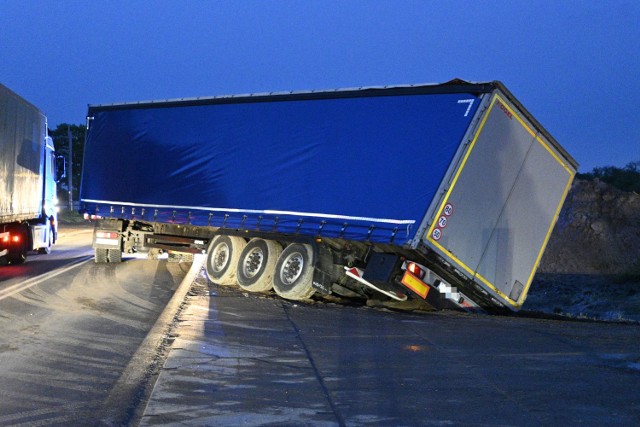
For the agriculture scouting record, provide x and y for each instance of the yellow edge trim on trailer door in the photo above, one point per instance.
(558, 208)
(446, 198)
(548, 236)
(519, 303)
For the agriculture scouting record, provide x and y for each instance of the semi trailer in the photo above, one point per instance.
(28, 176)
(443, 192)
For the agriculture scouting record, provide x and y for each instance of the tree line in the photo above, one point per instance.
(626, 178)
(60, 136)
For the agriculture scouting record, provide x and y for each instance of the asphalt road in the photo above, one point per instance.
(71, 333)
(86, 344)
(242, 360)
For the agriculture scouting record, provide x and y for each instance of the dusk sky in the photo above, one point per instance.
(574, 64)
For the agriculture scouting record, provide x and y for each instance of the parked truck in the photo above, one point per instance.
(446, 192)
(28, 175)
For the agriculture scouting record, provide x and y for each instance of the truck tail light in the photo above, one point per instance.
(416, 270)
(11, 238)
(108, 238)
(106, 235)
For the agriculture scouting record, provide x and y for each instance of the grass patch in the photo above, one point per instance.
(70, 217)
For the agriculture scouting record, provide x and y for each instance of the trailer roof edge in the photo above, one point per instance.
(452, 86)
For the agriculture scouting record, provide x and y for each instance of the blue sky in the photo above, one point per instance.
(574, 64)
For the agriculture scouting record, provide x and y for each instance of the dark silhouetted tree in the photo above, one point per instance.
(626, 178)
(61, 142)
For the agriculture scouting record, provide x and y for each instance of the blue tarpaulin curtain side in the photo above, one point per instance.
(363, 168)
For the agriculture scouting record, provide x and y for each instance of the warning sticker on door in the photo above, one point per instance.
(448, 209)
(436, 234)
(443, 221)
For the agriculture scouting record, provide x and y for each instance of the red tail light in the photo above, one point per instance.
(415, 269)
(106, 235)
(13, 238)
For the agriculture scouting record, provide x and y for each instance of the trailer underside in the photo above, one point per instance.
(294, 266)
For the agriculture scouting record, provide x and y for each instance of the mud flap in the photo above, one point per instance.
(322, 280)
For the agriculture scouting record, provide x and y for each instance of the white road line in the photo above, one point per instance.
(19, 287)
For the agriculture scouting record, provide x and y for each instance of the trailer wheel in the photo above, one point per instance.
(104, 255)
(294, 272)
(114, 255)
(257, 265)
(100, 255)
(222, 259)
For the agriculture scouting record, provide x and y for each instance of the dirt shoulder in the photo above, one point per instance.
(591, 267)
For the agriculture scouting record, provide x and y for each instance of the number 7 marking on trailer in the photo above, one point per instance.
(467, 101)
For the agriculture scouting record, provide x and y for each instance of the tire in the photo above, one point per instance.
(100, 255)
(223, 255)
(257, 265)
(104, 255)
(114, 255)
(179, 257)
(294, 272)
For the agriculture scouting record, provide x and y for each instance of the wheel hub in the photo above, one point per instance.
(220, 257)
(253, 262)
(292, 268)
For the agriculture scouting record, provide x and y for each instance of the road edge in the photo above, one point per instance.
(135, 385)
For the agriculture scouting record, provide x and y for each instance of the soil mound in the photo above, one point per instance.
(598, 232)
(591, 267)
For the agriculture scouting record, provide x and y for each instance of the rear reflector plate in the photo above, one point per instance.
(415, 284)
(110, 242)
